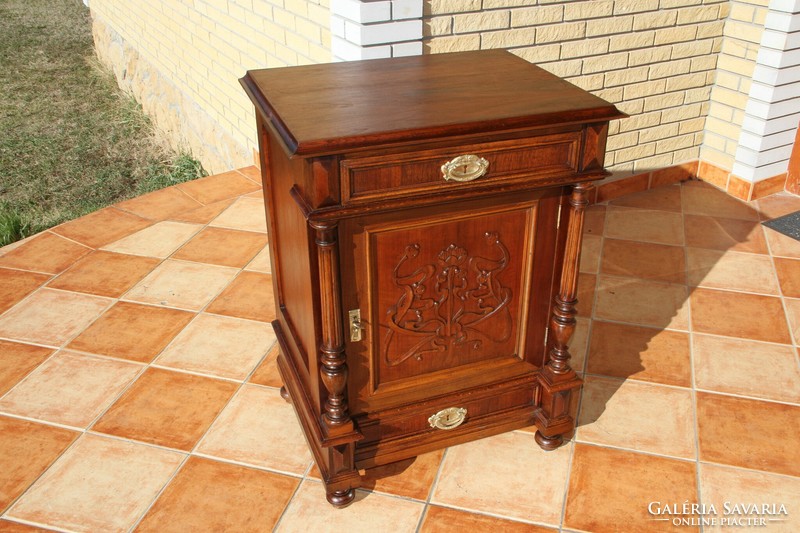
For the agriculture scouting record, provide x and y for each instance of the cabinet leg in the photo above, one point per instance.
(559, 382)
(285, 394)
(340, 498)
(548, 443)
(332, 445)
(339, 474)
(555, 416)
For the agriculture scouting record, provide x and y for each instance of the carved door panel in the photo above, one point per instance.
(444, 298)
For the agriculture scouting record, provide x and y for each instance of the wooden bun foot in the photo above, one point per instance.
(548, 443)
(341, 498)
(285, 394)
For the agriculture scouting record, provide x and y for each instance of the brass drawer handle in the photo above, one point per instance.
(449, 418)
(465, 168)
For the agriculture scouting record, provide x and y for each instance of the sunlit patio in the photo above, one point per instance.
(138, 388)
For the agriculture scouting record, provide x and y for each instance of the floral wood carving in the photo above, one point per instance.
(444, 303)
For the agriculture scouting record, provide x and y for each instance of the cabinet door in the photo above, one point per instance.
(450, 298)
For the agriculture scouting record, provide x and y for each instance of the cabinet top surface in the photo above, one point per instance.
(334, 107)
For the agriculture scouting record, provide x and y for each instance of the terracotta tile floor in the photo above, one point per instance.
(138, 387)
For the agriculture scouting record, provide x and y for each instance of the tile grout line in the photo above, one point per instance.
(690, 333)
(689, 286)
(788, 477)
(786, 317)
(180, 189)
(42, 525)
(640, 382)
(692, 373)
(643, 382)
(747, 397)
(30, 343)
(637, 451)
(128, 440)
(239, 171)
(42, 272)
(158, 495)
(201, 227)
(769, 231)
(584, 371)
(367, 492)
(568, 477)
(198, 311)
(249, 466)
(26, 376)
(288, 503)
(624, 323)
(586, 356)
(48, 423)
(23, 300)
(70, 239)
(172, 187)
(678, 330)
(432, 490)
(503, 517)
(596, 292)
(422, 516)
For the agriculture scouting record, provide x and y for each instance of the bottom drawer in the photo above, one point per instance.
(405, 432)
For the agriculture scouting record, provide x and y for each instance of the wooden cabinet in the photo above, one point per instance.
(425, 217)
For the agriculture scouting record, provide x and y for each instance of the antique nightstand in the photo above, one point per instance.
(425, 218)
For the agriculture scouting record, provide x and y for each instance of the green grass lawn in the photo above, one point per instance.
(70, 141)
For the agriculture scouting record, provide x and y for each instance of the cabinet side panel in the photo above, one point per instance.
(292, 246)
(546, 271)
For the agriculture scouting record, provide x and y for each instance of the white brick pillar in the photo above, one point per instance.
(773, 106)
(369, 29)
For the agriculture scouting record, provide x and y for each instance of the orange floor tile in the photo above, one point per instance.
(139, 391)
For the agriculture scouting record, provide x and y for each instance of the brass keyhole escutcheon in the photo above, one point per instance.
(465, 168)
(354, 317)
(449, 418)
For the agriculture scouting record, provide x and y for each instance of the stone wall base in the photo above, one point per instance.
(186, 127)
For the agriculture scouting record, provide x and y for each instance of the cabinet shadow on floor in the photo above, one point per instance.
(647, 292)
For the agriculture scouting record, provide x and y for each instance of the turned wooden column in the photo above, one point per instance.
(333, 363)
(557, 379)
(341, 477)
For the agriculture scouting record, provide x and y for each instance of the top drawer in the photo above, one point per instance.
(517, 160)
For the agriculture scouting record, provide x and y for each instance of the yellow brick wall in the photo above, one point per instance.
(737, 59)
(189, 54)
(680, 68)
(654, 59)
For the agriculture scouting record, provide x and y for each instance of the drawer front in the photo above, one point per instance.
(417, 420)
(395, 432)
(510, 161)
